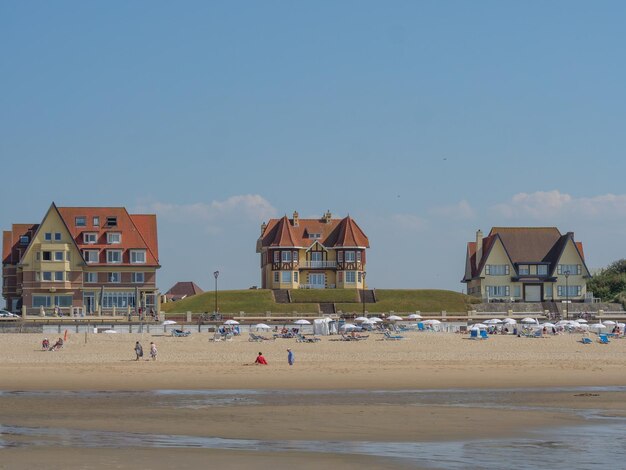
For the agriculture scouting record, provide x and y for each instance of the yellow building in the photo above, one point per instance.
(82, 260)
(526, 264)
(321, 253)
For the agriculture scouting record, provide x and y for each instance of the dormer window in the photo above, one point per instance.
(80, 221)
(315, 235)
(542, 270)
(91, 256)
(90, 238)
(114, 256)
(138, 256)
(111, 222)
(114, 238)
(24, 240)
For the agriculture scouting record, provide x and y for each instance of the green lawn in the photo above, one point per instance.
(260, 301)
(324, 295)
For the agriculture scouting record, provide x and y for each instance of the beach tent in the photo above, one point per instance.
(394, 318)
(597, 326)
(321, 326)
(609, 322)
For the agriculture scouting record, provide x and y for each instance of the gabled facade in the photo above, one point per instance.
(182, 290)
(526, 264)
(81, 260)
(321, 253)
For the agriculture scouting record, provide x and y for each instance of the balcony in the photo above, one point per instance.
(317, 264)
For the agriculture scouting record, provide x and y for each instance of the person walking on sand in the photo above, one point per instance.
(138, 350)
(260, 360)
(290, 357)
(153, 351)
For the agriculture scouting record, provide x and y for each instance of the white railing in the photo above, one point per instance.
(318, 264)
(315, 286)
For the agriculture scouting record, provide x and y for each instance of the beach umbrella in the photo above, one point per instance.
(262, 326)
(415, 316)
(348, 326)
(231, 322)
(368, 322)
(621, 325)
(609, 322)
(548, 325)
(493, 321)
(302, 322)
(394, 318)
(509, 321)
(581, 320)
(169, 322)
(479, 325)
(431, 322)
(597, 326)
(375, 319)
(528, 320)
(360, 319)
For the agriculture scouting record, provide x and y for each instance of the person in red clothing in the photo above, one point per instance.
(260, 360)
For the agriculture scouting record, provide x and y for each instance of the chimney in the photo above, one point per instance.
(327, 217)
(263, 227)
(296, 219)
(479, 246)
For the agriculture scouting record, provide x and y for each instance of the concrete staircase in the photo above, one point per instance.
(327, 308)
(281, 296)
(367, 296)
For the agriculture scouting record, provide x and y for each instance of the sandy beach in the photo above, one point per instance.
(423, 361)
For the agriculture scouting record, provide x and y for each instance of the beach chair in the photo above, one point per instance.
(483, 334)
(420, 326)
(180, 333)
(254, 338)
(473, 334)
(388, 335)
(302, 339)
(586, 340)
(216, 337)
(603, 339)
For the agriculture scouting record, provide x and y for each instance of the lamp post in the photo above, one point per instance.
(566, 294)
(363, 291)
(216, 274)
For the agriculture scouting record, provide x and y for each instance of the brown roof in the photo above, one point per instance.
(183, 289)
(11, 241)
(334, 233)
(140, 235)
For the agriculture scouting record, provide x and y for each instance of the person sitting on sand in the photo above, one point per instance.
(260, 360)
(45, 344)
(58, 345)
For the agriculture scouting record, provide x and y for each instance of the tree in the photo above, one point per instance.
(609, 284)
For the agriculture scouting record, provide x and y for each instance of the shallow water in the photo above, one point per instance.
(601, 442)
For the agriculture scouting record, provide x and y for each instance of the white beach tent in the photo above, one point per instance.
(321, 326)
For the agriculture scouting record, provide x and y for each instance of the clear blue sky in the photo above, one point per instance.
(423, 120)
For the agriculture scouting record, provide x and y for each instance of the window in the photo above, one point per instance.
(286, 277)
(41, 301)
(517, 291)
(115, 277)
(63, 300)
(350, 257)
(542, 270)
(118, 299)
(572, 269)
(523, 269)
(58, 256)
(276, 275)
(295, 256)
(114, 238)
(350, 277)
(46, 255)
(295, 276)
(59, 276)
(276, 256)
(316, 256)
(498, 291)
(24, 240)
(548, 292)
(315, 235)
(91, 256)
(340, 276)
(57, 237)
(571, 291)
(138, 256)
(497, 269)
(111, 222)
(46, 276)
(47, 236)
(80, 221)
(114, 256)
(358, 256)
(340, 256)
(286, 256)
(90, 278)
(90, 238)
(137, 278)
(359, 277)
(96, 221)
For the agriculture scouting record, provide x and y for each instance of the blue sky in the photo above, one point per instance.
(423, 120)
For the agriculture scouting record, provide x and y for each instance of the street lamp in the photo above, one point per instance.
(216, 274)
(566, 294)
(363, 290)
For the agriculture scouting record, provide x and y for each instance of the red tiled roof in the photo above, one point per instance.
(11, 239)
(334, 233)
(137, 231)
(184, 289)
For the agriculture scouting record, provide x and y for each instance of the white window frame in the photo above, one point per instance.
(527, 270)
(498, 291)
(47, 236)
(285, 256)
(82, 218)
(285, 277)
(574, 269)
(46, 274)
(56, 253)
(350, 277)
(90, 278)
(497, 270)
(95, 221)
(295, 276)
(350, 256)
(46, 301)
(133, 254)
(112, 276)
(90, 238)
(276, 276)
(87, 254)
(114, 238)
(544, 267)
(135, 277)
(57, 236)
(276, 256)
(112, 252)
(56, 276)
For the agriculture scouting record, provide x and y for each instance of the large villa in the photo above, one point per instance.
(526, 264)
(324, 253)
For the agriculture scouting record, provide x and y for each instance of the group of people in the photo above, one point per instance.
(139, 351)
(261, 361)
(45, 345)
